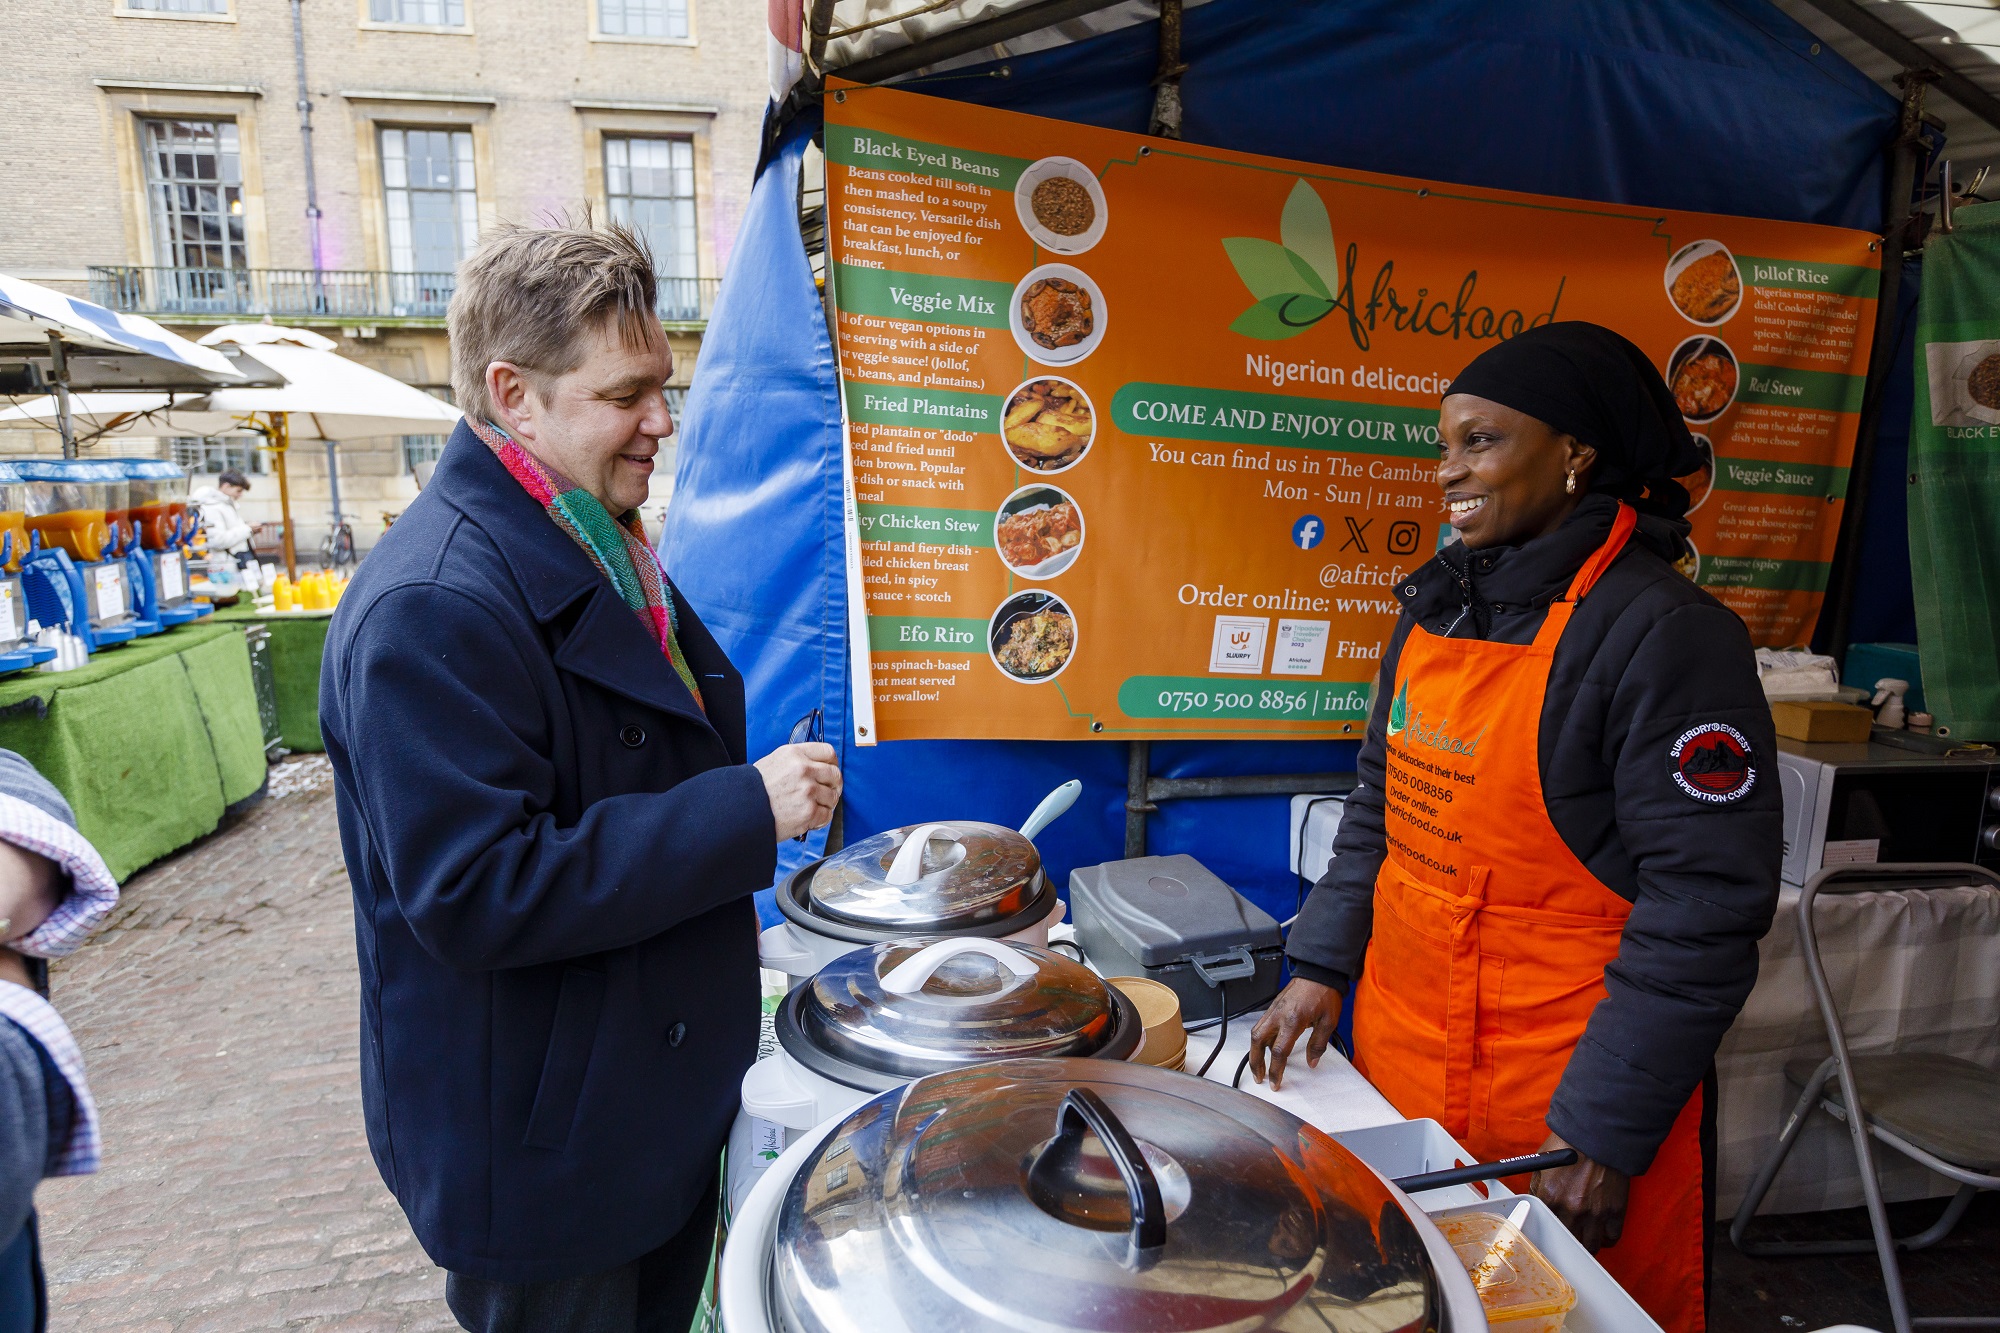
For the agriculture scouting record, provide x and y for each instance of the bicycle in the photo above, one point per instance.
(336, 549)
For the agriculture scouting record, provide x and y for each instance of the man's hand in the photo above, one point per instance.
(1588, 1198)
(803, 783)
(1300, 1007)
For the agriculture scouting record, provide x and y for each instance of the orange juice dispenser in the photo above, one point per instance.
(66, 505)
(109, 474)
(13, 517)
(159, 501)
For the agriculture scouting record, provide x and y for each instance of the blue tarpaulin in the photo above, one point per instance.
(1723, 106)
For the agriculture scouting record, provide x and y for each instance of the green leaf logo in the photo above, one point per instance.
(1295, 284)
(1399, 709)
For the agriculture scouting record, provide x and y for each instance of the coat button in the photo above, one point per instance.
(633, 735)
(677, 1034)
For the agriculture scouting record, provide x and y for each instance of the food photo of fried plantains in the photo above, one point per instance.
(1047, 425)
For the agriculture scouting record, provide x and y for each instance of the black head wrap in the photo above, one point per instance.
(1587, 381)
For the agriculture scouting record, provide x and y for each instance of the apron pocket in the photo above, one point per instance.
(570, 1041)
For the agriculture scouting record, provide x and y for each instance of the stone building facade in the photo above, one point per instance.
(155, 162)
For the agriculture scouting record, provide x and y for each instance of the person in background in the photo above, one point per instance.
(54, 890)
(227, 533)
(550, 821)
(1564, 845)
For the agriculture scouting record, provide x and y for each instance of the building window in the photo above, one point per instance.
(178, 6)
(649, 184)
(197, 454)
(194, 187)
(422, 449)
(667, 19)
(418, 13)
(433, 208)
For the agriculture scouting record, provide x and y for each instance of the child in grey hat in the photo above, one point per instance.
(54, 890)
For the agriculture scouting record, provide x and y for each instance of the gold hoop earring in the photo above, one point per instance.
(1569, 483)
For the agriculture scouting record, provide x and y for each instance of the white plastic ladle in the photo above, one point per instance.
(1052, 807)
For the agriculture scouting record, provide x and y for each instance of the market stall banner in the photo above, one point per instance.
(1142, 436)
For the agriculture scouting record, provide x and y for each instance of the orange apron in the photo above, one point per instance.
(1491, 938)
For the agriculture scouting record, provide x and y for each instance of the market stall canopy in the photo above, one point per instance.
(106, 350)
(869, 41)
(324, 395)
(1957, 42)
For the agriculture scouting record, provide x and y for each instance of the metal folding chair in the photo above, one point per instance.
(1938, 1110)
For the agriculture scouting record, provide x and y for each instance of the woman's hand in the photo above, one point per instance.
(803, 783)
(1303, 1006)
(1588, 1198)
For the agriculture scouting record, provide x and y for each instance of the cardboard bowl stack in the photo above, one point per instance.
(1164, 1045)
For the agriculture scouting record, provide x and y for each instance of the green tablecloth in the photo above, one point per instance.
(297, 640)
(150, 743)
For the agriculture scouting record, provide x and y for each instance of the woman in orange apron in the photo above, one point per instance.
(1563, 848)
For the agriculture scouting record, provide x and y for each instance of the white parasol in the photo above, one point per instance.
(324, 397)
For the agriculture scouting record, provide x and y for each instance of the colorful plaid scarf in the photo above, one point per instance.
(616, 546)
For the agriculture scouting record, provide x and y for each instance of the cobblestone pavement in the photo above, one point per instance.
(217, 1014)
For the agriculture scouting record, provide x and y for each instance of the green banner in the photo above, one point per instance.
(1954, 469)
(894, 405)
(926, 634)
(1798, 276)
(965, 302)
(1751, 571)
(1749, 474)
(1783, 386)
(851, 146)
(1228, 416)
(1218, 697)
(926, 527)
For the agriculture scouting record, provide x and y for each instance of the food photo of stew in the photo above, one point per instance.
(1038, 532)
(1702, 375)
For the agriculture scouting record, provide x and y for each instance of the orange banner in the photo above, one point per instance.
(1141, 435)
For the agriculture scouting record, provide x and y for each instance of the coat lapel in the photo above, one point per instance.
(606, 643)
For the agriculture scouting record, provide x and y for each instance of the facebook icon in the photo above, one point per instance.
(1308, 532)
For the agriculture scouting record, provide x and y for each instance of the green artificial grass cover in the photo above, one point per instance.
(298, 638)
(150, 742)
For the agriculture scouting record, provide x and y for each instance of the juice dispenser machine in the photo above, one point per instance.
(72, 574)
(17, 650)
(163, 530)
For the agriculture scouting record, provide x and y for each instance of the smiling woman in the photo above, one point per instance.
(1537, 679)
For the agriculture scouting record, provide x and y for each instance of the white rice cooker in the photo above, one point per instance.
(1081, 1196)
(953, 877)
(878, 1017)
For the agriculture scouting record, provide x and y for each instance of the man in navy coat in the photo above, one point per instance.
(549, 823)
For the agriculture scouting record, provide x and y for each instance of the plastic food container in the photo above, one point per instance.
(1165, 1043)
(1520, 1289)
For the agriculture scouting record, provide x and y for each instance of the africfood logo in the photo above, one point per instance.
(1415, 731)
(1304, 277)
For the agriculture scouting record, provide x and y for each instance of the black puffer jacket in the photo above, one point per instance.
(1647, 656)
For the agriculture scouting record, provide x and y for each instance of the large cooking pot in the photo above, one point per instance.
(878, 1017)
(1072, 1196)
(953, 877)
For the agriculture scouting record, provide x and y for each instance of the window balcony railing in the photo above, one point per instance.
(301, 293)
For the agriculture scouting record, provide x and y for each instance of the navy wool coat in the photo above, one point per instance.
(552, 848)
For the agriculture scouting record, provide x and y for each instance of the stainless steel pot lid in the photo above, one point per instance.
(884, 1015)
(1071, 1195)
(930, 876)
